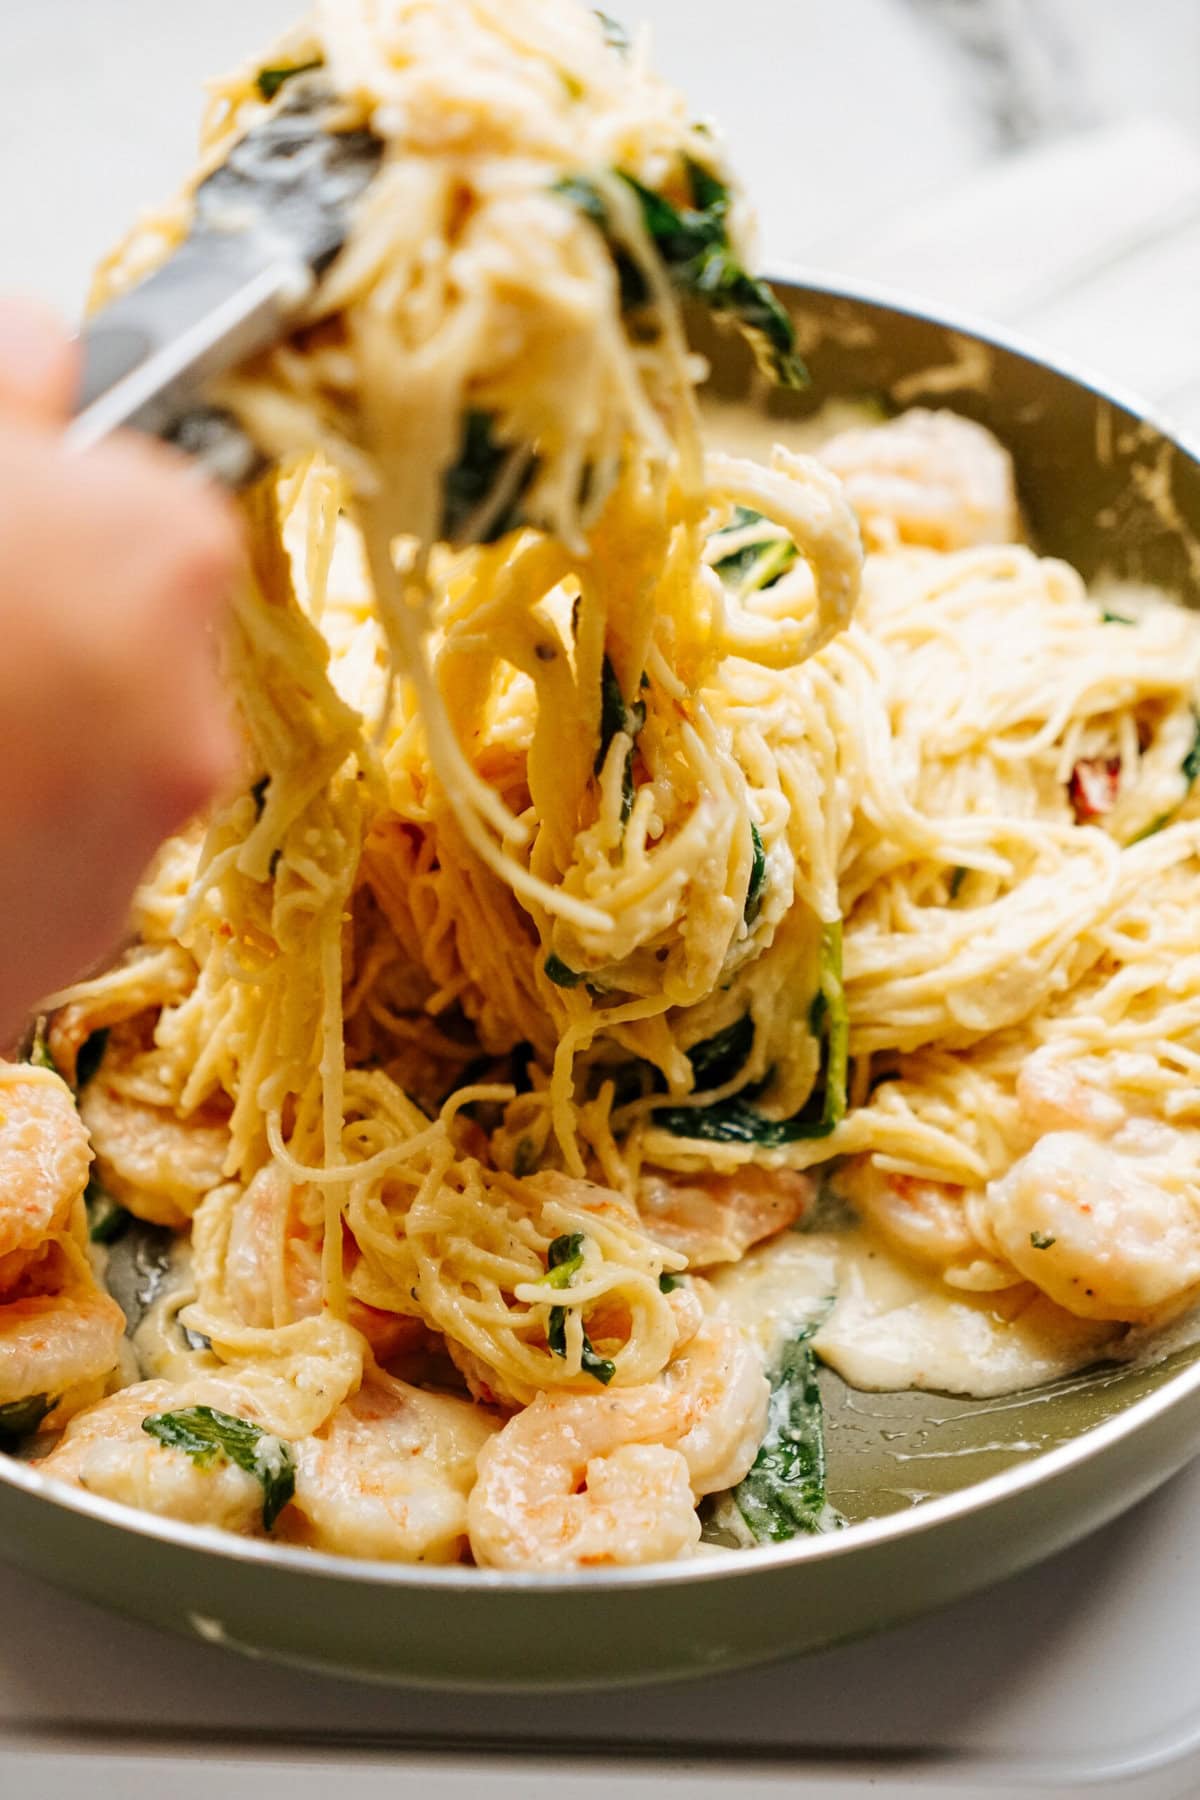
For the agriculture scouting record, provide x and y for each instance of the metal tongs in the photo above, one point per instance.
(265, 225)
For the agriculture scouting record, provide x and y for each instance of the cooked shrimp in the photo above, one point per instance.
(272, 1269)
(146, 981)
(924, 1218)
(59, 1335)
(577, 1480)
(713, 1218)
(1054, 1096)
(573, 1481)
(1109, 1230)
(58, 1331)
(105, 1451)
(389, 1475)
(154, 1162)
(725, 1392)
(44, 1158)
(929, 478)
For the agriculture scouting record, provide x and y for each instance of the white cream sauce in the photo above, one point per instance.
(160, 1344)
(890, 1324)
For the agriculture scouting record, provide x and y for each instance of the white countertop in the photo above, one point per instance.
(1082, 1671)
(1038, 165)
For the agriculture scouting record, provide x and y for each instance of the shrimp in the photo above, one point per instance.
(105, 1451)
(1053, 1096)
(144, 983)
(59, 1334)
(1108, 1230)
(712, 1218)
(725, 1392)
(389, 1475)
(154, 1162)
(569, 1482)
(924, 1218)
(272, 1266)
(44, 1160)
(928, 478)
(577, 1480)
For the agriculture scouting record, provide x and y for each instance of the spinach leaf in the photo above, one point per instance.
(556, 1331)
(107, 1219)
(269, 81)
(717, 1059)
(783, 1495)
(86, 1063)
(586, 196)
(693, 244)
(709, 193)
(1189, 768)
(466, 485)
(735, 1121)
(598, 1367)
(615, 34)
(21, 1417)
(616, 716)
(558, 972)
(209, 1436)
(956, 881)
(564, 1257)
(39, 1050)
(1108, 617)
(756, 565)
(756, 887)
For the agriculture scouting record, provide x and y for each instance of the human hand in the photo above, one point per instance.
(114, 569)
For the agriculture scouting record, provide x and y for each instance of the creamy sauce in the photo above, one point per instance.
(890, 1324)
(740, 428)
(781, 1286)
(160, 1343)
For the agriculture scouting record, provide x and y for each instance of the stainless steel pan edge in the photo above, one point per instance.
(461, 1627)
(468, 1628)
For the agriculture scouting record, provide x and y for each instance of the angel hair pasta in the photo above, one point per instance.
(614, 850)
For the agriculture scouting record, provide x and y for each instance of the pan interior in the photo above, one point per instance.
(891, 1451)
(1111, 494)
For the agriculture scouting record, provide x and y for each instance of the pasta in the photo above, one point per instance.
(617, 845)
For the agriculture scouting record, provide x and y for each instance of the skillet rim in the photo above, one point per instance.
(715, 1565)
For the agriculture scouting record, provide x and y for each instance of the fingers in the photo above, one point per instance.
(189, 542)
(38, 364)
(162, 554)
(116, 567)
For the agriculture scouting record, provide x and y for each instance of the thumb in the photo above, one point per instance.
(38, 363)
